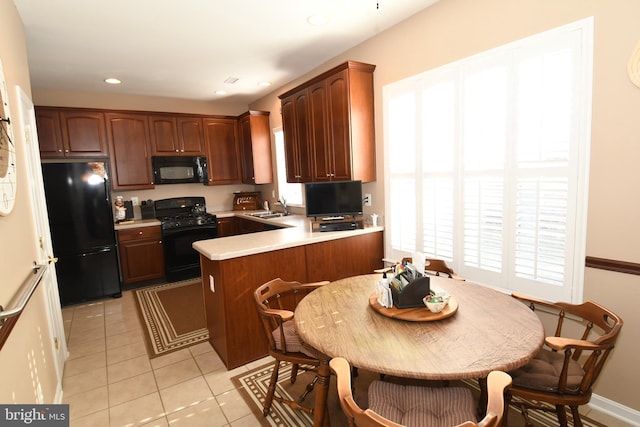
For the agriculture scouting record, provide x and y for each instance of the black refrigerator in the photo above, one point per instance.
(82, 230)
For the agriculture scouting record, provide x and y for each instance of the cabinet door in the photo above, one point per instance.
(295, 125)
(49, 133)
(84, 133)
(287, 109)
(246, 149)
(191, 136)
(141, 254)
(246, 226)
(227, 227)
(223, 151)
(128, 136)
(339, 141)
(164, 136)
(320, 146)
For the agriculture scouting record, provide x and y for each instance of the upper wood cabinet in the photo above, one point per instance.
(295, 126)
(338, 114)
(176, 136)
(255, 147)
(71, 133)
(129, 145)
(223, 150)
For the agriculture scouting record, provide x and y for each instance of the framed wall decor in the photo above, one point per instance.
(8, 177)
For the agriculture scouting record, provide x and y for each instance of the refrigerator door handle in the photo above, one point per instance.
(97, 251)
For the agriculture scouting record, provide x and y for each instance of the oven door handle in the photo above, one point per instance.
(174, 231)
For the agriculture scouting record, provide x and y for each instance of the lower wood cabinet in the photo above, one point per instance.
(141, 254)
(227, 226)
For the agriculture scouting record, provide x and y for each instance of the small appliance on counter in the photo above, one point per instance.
(246, 201)
(147, 210)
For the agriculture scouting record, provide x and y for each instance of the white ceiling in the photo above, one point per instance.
(188, 48)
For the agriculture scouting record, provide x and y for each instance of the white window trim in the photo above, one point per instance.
(577, 252)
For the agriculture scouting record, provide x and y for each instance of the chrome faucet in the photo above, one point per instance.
(283, 202)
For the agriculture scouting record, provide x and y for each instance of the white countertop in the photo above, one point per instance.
(297, 233)
(135, 223)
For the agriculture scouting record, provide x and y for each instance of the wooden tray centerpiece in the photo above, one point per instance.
(414, 314)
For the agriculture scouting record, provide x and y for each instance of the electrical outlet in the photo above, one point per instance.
(367, 199)
(212, 285)
(135, 201)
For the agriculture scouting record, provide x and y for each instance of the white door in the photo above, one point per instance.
(41, 221)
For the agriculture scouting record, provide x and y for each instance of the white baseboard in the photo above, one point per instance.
(616, 410)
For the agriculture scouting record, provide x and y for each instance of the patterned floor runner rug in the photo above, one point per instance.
(172, 315)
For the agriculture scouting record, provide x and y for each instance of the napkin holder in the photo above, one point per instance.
(412, 294)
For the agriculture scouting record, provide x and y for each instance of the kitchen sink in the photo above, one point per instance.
(267, 215)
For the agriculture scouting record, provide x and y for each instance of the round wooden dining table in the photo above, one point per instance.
(489, 331)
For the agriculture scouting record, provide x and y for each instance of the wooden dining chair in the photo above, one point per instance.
(437, 267)
(563, 372)
(395, 405)
(276, 301)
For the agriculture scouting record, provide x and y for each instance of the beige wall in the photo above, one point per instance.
(454, 29)
(26, 358)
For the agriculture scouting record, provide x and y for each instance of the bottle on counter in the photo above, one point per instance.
(385, 298)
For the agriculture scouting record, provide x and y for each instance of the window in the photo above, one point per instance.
(291, 192)
(487, 163)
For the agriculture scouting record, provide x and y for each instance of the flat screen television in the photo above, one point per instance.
(333, 199)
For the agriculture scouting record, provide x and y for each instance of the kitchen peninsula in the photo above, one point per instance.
(233, 267)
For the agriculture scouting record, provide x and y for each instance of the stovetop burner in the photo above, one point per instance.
(181, 212)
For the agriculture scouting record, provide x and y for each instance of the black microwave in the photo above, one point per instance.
(179, 169)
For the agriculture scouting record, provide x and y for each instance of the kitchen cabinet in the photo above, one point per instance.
(246, 226)
(129, 147)
(223, 151)
(295, 126)
(141, 254)
(227, 226)
(255, 147)
(71, 133)
(176, 136)
(335, 113)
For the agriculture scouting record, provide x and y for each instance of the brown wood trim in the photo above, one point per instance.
(613, 265)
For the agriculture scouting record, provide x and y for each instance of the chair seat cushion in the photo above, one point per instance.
(294, 343)
(543, 373)
(411, 405)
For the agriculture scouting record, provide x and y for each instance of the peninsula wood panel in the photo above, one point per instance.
(235, 330)
(337, 259)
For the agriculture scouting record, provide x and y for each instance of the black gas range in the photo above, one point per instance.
(184, 221)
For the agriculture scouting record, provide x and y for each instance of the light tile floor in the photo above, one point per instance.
(110, 381)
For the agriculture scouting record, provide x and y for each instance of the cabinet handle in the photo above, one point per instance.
(66, 151)
(140, 233)
(59, 151)
(160, 241)
(177, 151)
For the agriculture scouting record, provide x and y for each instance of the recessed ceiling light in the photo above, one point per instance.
(221, 92)
(318, 19)
(112, 81)
(264, 84)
